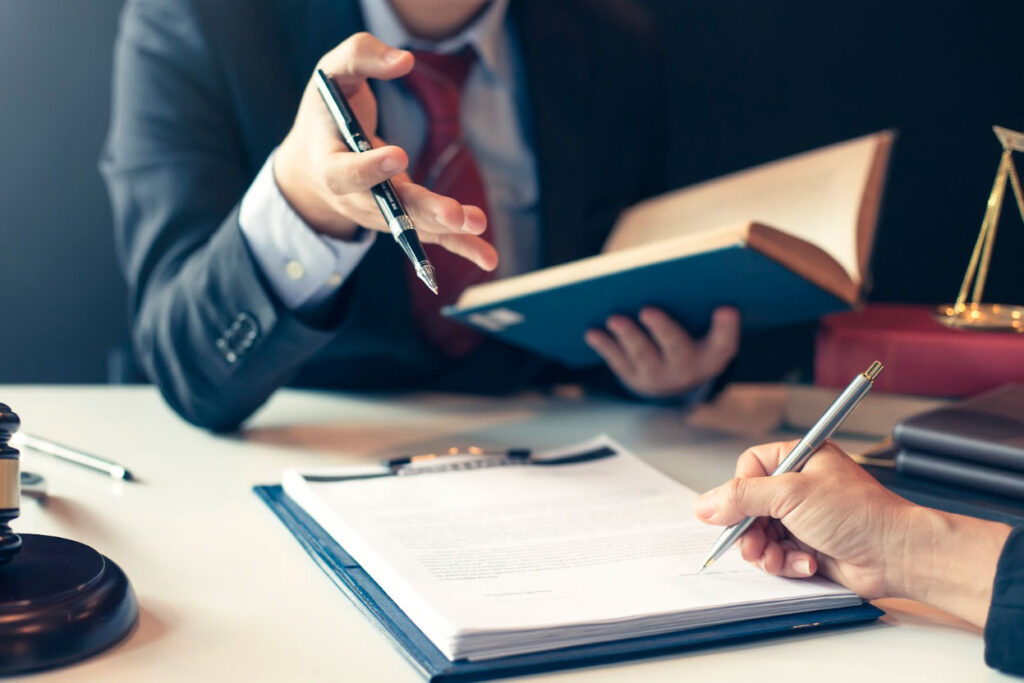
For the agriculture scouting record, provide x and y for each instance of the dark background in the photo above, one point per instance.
(751, 82)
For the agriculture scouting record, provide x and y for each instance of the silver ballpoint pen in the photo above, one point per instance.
(72, 455)
(822, 430)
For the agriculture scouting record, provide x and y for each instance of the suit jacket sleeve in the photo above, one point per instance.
(1004, 631)
(206, 327)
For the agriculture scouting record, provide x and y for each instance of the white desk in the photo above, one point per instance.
(227, 594)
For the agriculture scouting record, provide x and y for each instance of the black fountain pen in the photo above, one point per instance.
(383, 193)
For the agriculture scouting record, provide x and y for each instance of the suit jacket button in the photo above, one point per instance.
(242, 334)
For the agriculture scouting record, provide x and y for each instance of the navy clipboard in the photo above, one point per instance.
(434, 666)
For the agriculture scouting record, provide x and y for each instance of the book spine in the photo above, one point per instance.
(918, 363)
(989, 479)
(959, 446)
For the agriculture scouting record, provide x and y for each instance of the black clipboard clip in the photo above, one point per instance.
(472, 458)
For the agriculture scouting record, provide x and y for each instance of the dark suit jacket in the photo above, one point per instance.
(203, 92)
(1004, 630)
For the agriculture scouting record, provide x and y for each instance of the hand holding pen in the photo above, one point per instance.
(794, 460)
(329, 186)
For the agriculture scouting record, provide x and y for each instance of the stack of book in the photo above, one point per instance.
(977, 443)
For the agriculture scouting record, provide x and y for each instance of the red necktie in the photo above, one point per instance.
(447, 167)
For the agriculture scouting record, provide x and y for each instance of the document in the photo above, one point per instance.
(495, 561)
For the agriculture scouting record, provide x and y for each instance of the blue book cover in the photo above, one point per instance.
(552, 321)
(785, 242)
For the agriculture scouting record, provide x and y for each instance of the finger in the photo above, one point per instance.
(753, 543)
(347, 172)
(361, 208)
(431, 213)
(675, 344)
(721, 343)
(475, 221)
(640, 349)
(762, 460)
(610, 351)
(774, 558)
(399, 177)
(740, 498)
(798, 564)
(362, 56)
(470, 247)
(437, 213)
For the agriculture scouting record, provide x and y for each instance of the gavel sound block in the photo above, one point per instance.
(60, 601)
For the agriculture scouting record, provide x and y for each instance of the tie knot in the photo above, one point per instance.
(436, 81)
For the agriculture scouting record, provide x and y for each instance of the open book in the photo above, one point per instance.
(582, 545)
(784, 242)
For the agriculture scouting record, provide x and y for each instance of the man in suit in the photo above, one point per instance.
(247, 234)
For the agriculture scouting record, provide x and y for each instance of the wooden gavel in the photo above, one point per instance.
(10, 485)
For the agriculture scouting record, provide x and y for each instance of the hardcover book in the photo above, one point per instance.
(921, 356)
(785, 242)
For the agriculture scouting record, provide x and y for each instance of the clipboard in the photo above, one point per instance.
(377, 606)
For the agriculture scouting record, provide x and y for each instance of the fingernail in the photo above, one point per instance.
(802, 566)
(726, 313)
(393, 55)
(704, 508)
(390, 165)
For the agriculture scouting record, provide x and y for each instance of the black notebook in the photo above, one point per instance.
(987, 429)
(1004, 482)
(977, 444)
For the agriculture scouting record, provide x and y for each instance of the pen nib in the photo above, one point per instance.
(707, 563)
(425, 272)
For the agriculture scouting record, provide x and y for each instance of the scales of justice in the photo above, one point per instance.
(973, 314)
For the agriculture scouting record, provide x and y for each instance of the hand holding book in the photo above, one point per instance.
(661, 358)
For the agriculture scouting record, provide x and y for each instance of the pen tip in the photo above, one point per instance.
(707, 563)
(425, 272)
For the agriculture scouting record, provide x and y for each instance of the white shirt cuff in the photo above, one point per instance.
(304, 268)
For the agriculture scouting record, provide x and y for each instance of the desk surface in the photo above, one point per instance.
(226, 594)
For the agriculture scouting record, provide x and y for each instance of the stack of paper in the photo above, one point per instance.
(498, 561)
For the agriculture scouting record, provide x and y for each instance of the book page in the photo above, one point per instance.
(816, 196)
(571, 551)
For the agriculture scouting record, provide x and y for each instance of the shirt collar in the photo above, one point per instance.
(485, 34)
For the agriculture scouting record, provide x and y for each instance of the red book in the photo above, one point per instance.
(921, 356)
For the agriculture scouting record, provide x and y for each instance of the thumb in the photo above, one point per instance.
(363, 56)
(740, 498)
